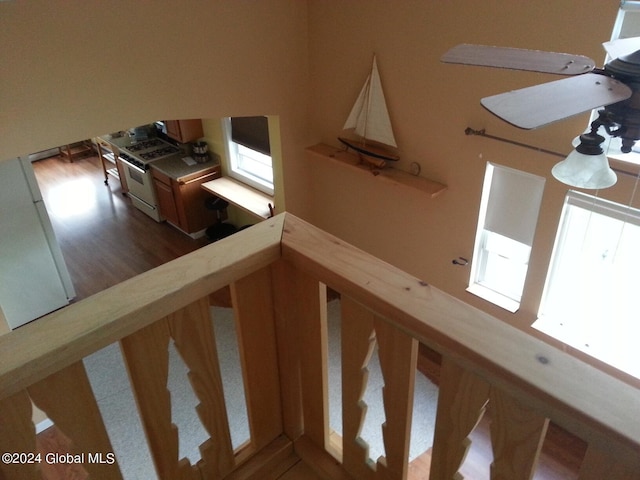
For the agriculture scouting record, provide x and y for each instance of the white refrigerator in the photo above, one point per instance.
(34, 279)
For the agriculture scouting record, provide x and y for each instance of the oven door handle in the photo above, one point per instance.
(131, 165)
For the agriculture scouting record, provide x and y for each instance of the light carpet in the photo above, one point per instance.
(109, 380)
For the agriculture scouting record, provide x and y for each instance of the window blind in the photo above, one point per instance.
(624, 213)
(252, 132)
(514, 203)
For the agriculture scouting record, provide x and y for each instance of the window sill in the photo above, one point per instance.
(248, 199)
(247, 180)
(494, 297)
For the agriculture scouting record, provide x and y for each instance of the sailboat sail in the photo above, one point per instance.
(369, 116)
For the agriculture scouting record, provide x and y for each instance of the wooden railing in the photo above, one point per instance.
(277, 273)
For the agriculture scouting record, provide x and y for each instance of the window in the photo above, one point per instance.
(590, 299)
(626, 25)
(249, 151)
(627, 22)
(506, 224)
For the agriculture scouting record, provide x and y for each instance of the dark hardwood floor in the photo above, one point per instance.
(104, 239)
(560, 458)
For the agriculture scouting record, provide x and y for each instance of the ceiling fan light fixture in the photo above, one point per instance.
(587, 166)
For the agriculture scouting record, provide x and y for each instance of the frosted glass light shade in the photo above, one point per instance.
(585, 171)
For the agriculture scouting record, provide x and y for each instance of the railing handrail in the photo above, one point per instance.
(584, 399)
(598, 407)
(43, 347)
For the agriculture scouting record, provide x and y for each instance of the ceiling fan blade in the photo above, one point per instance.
(622, 46)
(540, 105)
(519, 59)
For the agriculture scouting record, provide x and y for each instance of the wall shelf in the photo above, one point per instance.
(248, 199)
(389, 174)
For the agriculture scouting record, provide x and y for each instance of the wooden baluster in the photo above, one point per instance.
(67, 399)
(462, 400)
(304, 306)
(289, 297)
(17, 434)
(398, 354)
(517, 434)
(147, 358)
(358, 342)
(253, 309)
(314, 370)
(599, 464)
(192, 330)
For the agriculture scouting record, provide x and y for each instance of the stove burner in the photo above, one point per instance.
(151, 149)
(158, 153)
(145, 144)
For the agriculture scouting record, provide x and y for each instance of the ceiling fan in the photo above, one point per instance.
(616, 87)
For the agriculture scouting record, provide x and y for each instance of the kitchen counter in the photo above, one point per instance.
(180, 198)
(174, 167)
(120, 142)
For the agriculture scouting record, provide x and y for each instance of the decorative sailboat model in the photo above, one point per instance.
(369, 119)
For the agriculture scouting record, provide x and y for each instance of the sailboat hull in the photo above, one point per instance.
(370, 150)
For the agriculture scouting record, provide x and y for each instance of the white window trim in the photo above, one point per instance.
(476, 287)
(237, 174)
(494, 297)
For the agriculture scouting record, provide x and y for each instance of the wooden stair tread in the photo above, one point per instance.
(300, 471)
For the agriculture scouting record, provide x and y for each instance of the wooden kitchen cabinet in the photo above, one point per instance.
(166, 200)
(184, 131)
(182, 201)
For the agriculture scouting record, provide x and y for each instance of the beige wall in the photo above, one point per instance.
(76, 69)
(430, 105)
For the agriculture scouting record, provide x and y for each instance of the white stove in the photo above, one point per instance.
(143, 152)
(136, 159)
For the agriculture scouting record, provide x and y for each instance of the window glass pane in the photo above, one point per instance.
(629, 24)
(505, 266)
(506, 247)
(590, 297)
(254, 163)
(245, 163)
